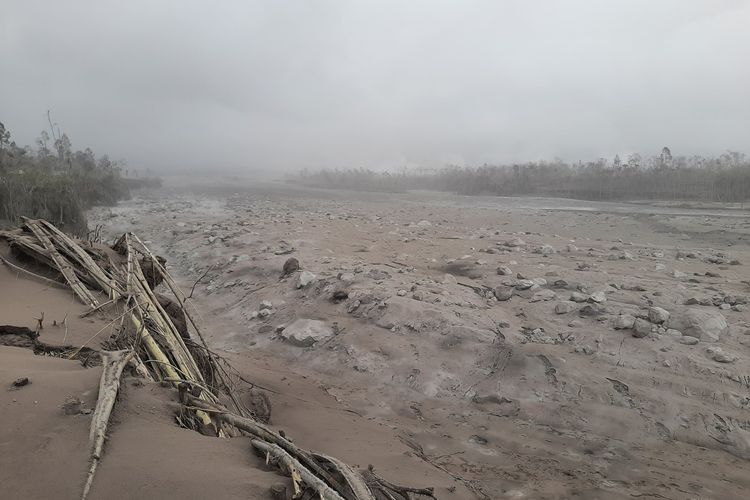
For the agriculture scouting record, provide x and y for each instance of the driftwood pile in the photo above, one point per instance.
(153, 340)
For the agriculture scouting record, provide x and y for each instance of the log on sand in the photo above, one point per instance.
(113, 364)
(296, 470)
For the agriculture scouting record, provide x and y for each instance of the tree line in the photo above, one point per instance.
(725, 178)
(54, 181)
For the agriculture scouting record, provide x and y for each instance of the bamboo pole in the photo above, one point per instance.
(113, 364)
(84, 259)
(63, 266)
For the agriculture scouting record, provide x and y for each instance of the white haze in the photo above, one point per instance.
(282, 85)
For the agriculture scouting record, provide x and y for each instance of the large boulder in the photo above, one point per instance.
(703, 324)
(658, 315)
(641, 328)
(306, 332)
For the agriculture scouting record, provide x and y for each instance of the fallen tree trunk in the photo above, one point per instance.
(113, 364)
(296, 470)
(261, 431)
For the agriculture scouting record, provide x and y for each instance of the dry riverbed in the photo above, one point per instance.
(517, 348)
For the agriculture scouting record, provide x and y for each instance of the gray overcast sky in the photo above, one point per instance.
(289, 84)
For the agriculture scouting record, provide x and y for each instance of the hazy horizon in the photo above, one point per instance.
(272, 86)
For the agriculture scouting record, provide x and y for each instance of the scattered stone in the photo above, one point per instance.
(560, 284)
(504, 271)
(703, 324)
(72, 406)
(658, 315)
(586, 349)
(306, 332)
(565, 307)
(623, 322)
(679, 275)
(641, 328)
(524, 284)
(687, 340)
(578, 297)
(718, 355)
(424, 223)
(515, 242)
(291, 266)
(20, 382)
(503, 293)
(598, 297)
(304, 279)
(378, 275)
(402, 293)
(543, 296)
(592, 310)
(264, 313)
(266, 304)
(545, 250)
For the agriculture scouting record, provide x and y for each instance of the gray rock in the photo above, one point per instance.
(688, 340)
(264, 313)
(515, 242)
(718, 355)
(704, 324)
(504, 271)
(305, 278)
(306, 332)
(524, 284)
(592, 310)
(641, 328)
(623, 322)
(503, 293)
(543, 296)
(679, 275)
(565, 307)
(658, 315)
(578, 297)
(545, 250)
(598, 297)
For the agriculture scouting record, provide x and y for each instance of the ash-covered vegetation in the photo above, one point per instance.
(56, 182)
(725, 178)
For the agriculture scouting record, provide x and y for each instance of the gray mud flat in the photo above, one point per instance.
(574, 384)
